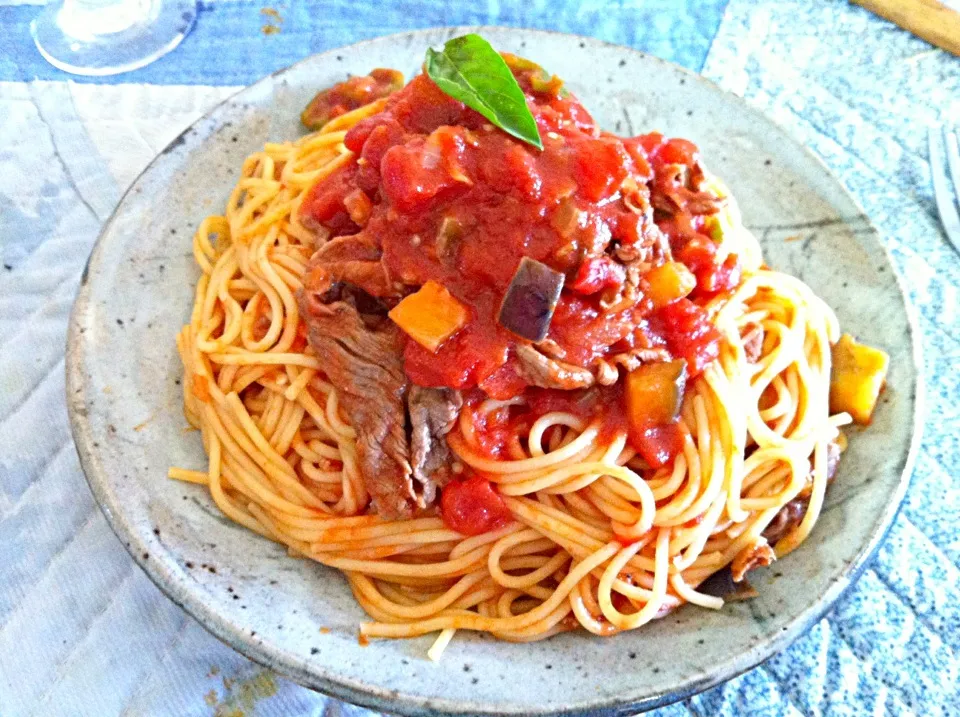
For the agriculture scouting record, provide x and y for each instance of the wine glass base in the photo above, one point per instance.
(144, 40)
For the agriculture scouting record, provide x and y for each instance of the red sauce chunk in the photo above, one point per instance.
(689, 334)
(472, 506)
(658, 445)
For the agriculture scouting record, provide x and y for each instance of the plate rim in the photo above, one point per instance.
(371, 695)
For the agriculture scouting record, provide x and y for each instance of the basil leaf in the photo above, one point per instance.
(471, 71)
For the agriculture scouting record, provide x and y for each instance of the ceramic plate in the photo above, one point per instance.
(124, 398)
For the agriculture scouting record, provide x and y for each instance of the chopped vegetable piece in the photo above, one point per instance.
(713, 276)
(722, 585)
(430, 316)
(654, 393)
(669, 282)
(349, 95)
(519, 64)
(678, 151)
(699, 253)
(725, 277)
(600, 168)
(551, 86)
(859, 373)
(531, 299)
(323, 203)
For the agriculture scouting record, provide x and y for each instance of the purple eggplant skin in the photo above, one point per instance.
(721, 585)
(531, 299)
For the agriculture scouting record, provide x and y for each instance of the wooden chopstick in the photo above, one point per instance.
(927, 19)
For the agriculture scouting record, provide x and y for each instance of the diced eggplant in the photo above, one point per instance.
(531, 299)
(655, 392)
(721, 585)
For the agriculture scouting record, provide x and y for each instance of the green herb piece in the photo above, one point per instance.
(471, 71)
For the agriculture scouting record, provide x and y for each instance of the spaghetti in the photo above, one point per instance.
(595, 537)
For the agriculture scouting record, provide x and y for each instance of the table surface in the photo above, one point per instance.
(82, 629)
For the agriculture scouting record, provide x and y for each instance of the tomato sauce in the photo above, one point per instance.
(448, 197)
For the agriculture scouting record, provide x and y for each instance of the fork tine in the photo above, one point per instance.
(946, 200)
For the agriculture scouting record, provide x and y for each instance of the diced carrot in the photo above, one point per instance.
(430, 316)
(669, 282)
(859, 373)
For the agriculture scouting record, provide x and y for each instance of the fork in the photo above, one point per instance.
(943, 154)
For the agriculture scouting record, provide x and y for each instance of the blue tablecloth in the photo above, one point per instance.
(84, 632)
